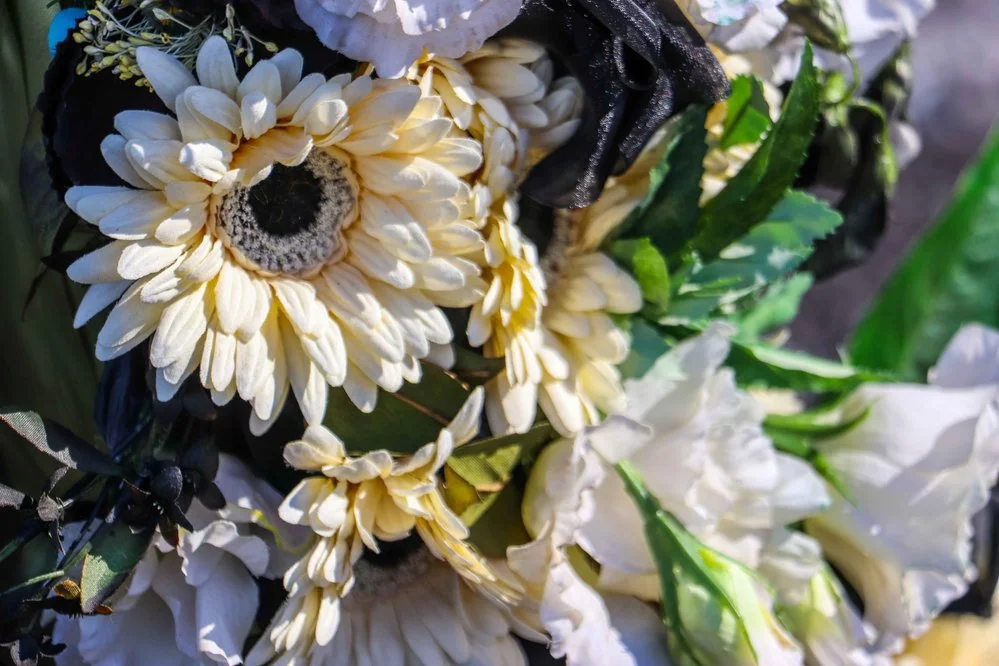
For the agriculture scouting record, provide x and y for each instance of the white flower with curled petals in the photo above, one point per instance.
(196, 603)
(582, 626)
(281, 232)
(370, 514)
(918, 467)
(393, 35)
(706, 459)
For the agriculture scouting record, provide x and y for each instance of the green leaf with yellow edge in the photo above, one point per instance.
(115, 550)
(403, 421)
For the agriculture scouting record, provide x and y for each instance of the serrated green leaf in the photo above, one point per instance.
(949, 278)
(769, 251)
(403, 421)
(641, 258)
(668, 215)
(115, 550)
(748, 114)
(752, 193)
(778, 307)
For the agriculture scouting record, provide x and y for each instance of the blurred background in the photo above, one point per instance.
(955, 102)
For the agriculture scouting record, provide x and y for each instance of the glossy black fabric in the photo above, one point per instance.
(639, 61)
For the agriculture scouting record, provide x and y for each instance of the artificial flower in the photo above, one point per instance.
(956, 640)
(638, 62)
(830, 629)
(915, 470)
(392, 36)
(364, 512)
(280, 232)
(195, 603)
(571, 612)
(698, 443)
(736, 26)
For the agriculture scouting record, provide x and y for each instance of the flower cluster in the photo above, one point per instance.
(482, 301)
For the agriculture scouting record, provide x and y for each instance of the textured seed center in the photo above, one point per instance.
(378, 576)
(291, 222)
(553, 256)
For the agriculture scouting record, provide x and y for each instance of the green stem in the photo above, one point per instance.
(34, 581)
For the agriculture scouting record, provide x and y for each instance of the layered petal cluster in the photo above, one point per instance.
(359, 507)
(706, 459)
(195, 603)
(393, 35)
(915, 471)
(281, 231)
(546, 315)
(582, 628)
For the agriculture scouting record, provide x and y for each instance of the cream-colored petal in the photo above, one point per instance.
(98, 297)
(168, 76)
(137, 125)
(215, 66)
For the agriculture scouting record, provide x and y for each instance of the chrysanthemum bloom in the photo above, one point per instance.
(280, 230)
(559, 348)
(393, 35)
(194, 604)
(367, 567)
(915, 470)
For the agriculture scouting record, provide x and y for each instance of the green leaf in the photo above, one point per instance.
(767, 253)
(499, 525)
(748, 114)
(778, 307)
(478, 472)
(403, 421)
(474, 369)
(763, 365)
(668, 215)
(641, 258)
(951, 277)
(115, 550)
(752, 193)
(58, 443)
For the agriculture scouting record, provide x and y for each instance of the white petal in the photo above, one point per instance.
(168, 76)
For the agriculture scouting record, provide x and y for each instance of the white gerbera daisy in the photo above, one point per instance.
(362, 510)
(279, 230)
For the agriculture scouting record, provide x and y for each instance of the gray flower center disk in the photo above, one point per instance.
(291, 222)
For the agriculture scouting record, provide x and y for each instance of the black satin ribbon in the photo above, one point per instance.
(639, 62)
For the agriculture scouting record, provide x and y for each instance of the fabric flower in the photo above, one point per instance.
(392, 36)
(915, 471)
(706, 459)
(362, 510)
(736, 26)
(638, 61)
(197, 602)
(280, 232)
(582, 629)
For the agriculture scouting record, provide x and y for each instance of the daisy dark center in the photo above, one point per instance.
(291, 222)
(399, 563)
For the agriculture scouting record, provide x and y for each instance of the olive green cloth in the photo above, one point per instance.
(45, 364)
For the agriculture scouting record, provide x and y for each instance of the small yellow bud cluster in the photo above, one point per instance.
(114, 29)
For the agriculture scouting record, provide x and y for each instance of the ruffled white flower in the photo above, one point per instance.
(736, 25)
(393, 35)
(357, 508)
(582, 630)
(195, 603)
(916, 470)
(706, 459)
(281, 231)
